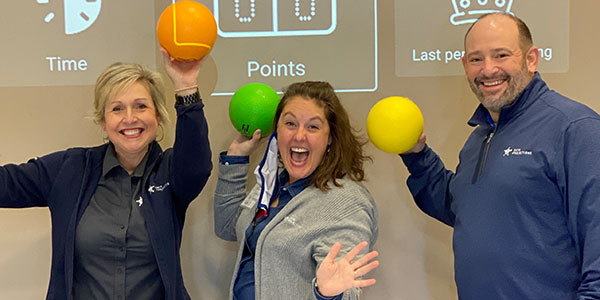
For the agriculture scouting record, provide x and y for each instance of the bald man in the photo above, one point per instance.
(524, 201)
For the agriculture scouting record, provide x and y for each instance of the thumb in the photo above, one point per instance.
(419, 146)
(256, 135)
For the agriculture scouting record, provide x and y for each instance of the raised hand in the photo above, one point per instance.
(419, 146)
(244, 146)
(183, 73)
(335, 277)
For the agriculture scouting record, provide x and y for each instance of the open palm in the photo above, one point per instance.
(335, 277)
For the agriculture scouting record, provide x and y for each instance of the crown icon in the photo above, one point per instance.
(467, 11)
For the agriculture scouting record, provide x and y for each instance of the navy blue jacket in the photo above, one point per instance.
(524, 201)
(65, 182)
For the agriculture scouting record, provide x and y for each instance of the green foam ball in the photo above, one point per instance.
(252, 107)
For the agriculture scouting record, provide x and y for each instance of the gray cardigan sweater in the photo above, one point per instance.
(293, 244)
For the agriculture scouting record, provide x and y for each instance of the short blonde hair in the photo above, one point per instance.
(119, 76)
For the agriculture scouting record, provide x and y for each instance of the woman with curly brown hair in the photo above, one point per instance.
(294, 223)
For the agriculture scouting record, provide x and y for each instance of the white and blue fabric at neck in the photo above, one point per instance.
(266, 175)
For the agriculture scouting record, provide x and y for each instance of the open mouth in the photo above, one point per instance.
(488, 82)
(299, 155)
(131, 133)
(492, 83)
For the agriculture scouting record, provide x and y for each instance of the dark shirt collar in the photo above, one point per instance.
(296, 187)
(534, 88)
(111, 161)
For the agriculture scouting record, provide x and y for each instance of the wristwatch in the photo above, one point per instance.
(188, 99)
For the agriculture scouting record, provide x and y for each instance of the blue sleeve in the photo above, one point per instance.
(233, 159)
(191, 164)
(28, 184)
(428, 183)
(321, 297)
(579, 181)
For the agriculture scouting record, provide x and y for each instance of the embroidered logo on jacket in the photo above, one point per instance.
(292, 220)
(516, 151)
(158, 188)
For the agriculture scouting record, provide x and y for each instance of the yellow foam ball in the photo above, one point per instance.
(395, 124)
(187, 30)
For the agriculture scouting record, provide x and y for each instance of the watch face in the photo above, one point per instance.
(80, 14)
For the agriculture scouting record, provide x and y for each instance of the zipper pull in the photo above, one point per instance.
(490, 136)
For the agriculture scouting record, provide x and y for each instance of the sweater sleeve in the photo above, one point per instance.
(579, 181)
(229, 194)
(28, 184)
(355, 220)
(429, 183)
(191, 163)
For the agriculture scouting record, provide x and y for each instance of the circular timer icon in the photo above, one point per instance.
(79, 14)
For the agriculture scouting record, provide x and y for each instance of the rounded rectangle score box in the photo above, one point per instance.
(318, 49)
(436, 49)
(246, 18)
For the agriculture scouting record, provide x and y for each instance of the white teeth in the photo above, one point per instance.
(493, 83)
(131, 132)
(299, 150)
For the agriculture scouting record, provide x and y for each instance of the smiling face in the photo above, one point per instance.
(130, 121)
(302, 136)
(496, 67)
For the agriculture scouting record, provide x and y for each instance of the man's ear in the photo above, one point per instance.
(532, 58)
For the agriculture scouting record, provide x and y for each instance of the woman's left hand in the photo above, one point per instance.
(183, 73)
(335, 277)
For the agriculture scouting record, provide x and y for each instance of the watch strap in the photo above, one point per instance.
(188, 99)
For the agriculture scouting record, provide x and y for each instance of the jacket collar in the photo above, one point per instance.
(530, 94)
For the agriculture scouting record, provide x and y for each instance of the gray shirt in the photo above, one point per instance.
(113, 255)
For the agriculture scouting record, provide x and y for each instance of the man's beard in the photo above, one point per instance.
(516, 85)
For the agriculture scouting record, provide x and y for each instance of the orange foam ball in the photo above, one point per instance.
(187, 30)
